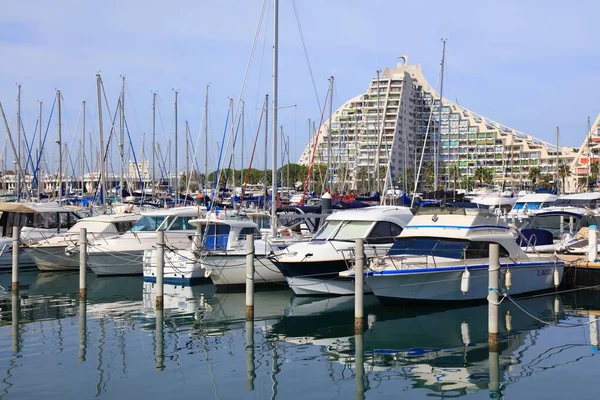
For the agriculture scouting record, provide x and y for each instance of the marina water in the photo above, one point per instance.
(118, 346)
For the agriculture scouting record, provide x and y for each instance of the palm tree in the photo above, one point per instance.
(488, 175)
(564, 171)
(454, 173)
(467, 182)
(480, 174)
(534, 175)
(428, 173)
(594, 170)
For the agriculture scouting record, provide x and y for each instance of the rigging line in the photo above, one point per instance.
(262, 59)
(39, 158)
(312, 78)
(137, 166)
(252, 156)
(220, 155)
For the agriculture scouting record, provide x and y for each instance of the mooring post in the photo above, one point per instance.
(15, 259)
(494, 365)
(250, 365)
(82, 263)
(160, 268)
(249, 277)
(562, 225)
(493, 280)
(594, 330)
(592, 243)
(359, 280)
(571, 224)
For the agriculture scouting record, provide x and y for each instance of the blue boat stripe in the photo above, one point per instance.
(462, 267)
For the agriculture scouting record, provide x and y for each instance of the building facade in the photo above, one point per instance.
(399, 124)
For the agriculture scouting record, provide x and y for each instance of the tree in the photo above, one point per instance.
(428, 173)
(534, 175)
(479, 174)
(594, 170)
(564, 171)
(467, 182)
(454, 173)
(488, 175)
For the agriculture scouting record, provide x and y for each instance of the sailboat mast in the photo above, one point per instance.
(266, 151)
(176, 172)
(153, 146)
(275, 98)
(59, 142)
(437, 135)
(242, 158)
(328, 175)
(83, 151)
(206, 140)
(122, 138)
(589, 143)
(187, 158)
(39, 166)
(18, 161)
(232, 154)
(101, 137)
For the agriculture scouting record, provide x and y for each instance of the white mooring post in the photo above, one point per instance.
(359, 279)
(250, 365)
(160, 269)
(592, 243)
(82, 262)
(15, 259)
(249, 277)
(493, 284)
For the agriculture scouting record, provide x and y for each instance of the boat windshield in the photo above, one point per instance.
(328, 228)
(148, 223)
(581, 203)
(438, 247)
(352, 230)
(179, 224)
(528, 206)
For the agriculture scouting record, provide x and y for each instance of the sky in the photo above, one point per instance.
(529, 65)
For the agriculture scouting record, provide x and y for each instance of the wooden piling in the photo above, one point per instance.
(359, 280)
(249, 277)
(160, 269)
(592, 243)
(82, 263)
(493, 285)
(15, 259)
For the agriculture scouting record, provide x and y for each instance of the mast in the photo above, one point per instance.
(153, 146)
(242, 161)
(377, 172)
(39, 166)
(557, 171)
(176, 172)
(589, 140)
(232, 154)
(206, 140)
(275, 98)
(83, 151)
(266, 142)
(287, 147)
(101, 137)
(436, 135)
(59, 142)
(18, 161)
(328, 175)
(187, 158)
(144, 168)
(122, 138)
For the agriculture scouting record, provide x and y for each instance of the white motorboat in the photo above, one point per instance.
(218, 251)
(38, 221)
(496, 200)
(443, 255)
(313, 267)
(531, 204)
(122, 255)
(61, 252)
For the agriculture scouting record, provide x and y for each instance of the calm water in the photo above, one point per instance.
(117, 346)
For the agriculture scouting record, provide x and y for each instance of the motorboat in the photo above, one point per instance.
(313, 267)
(496, 199)
(37, 221)
(61, 252)
(443, 255)
(218, 251)
(531, 204)
(123, 254)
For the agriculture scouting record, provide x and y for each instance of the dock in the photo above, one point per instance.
(579, 271)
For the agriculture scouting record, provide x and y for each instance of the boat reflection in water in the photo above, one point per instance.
(443, 350)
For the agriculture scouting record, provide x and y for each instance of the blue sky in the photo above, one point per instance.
(530, 65)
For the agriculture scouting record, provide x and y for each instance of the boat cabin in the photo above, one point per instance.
(36, 219)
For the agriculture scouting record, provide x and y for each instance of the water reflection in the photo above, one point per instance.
(201, 340)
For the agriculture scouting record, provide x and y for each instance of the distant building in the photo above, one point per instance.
(390, 122)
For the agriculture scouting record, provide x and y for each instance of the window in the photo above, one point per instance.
(447, 248)
(328, 228)
(181, 224)
(147, 224)
(351, 230)
(383, 232)
(123, 226)
(217, 236)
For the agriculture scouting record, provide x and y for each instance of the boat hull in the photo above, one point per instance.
(230, 270)
(180, 268)
(107, 263)
(54, 258)
(444, 284)
(318, 277)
